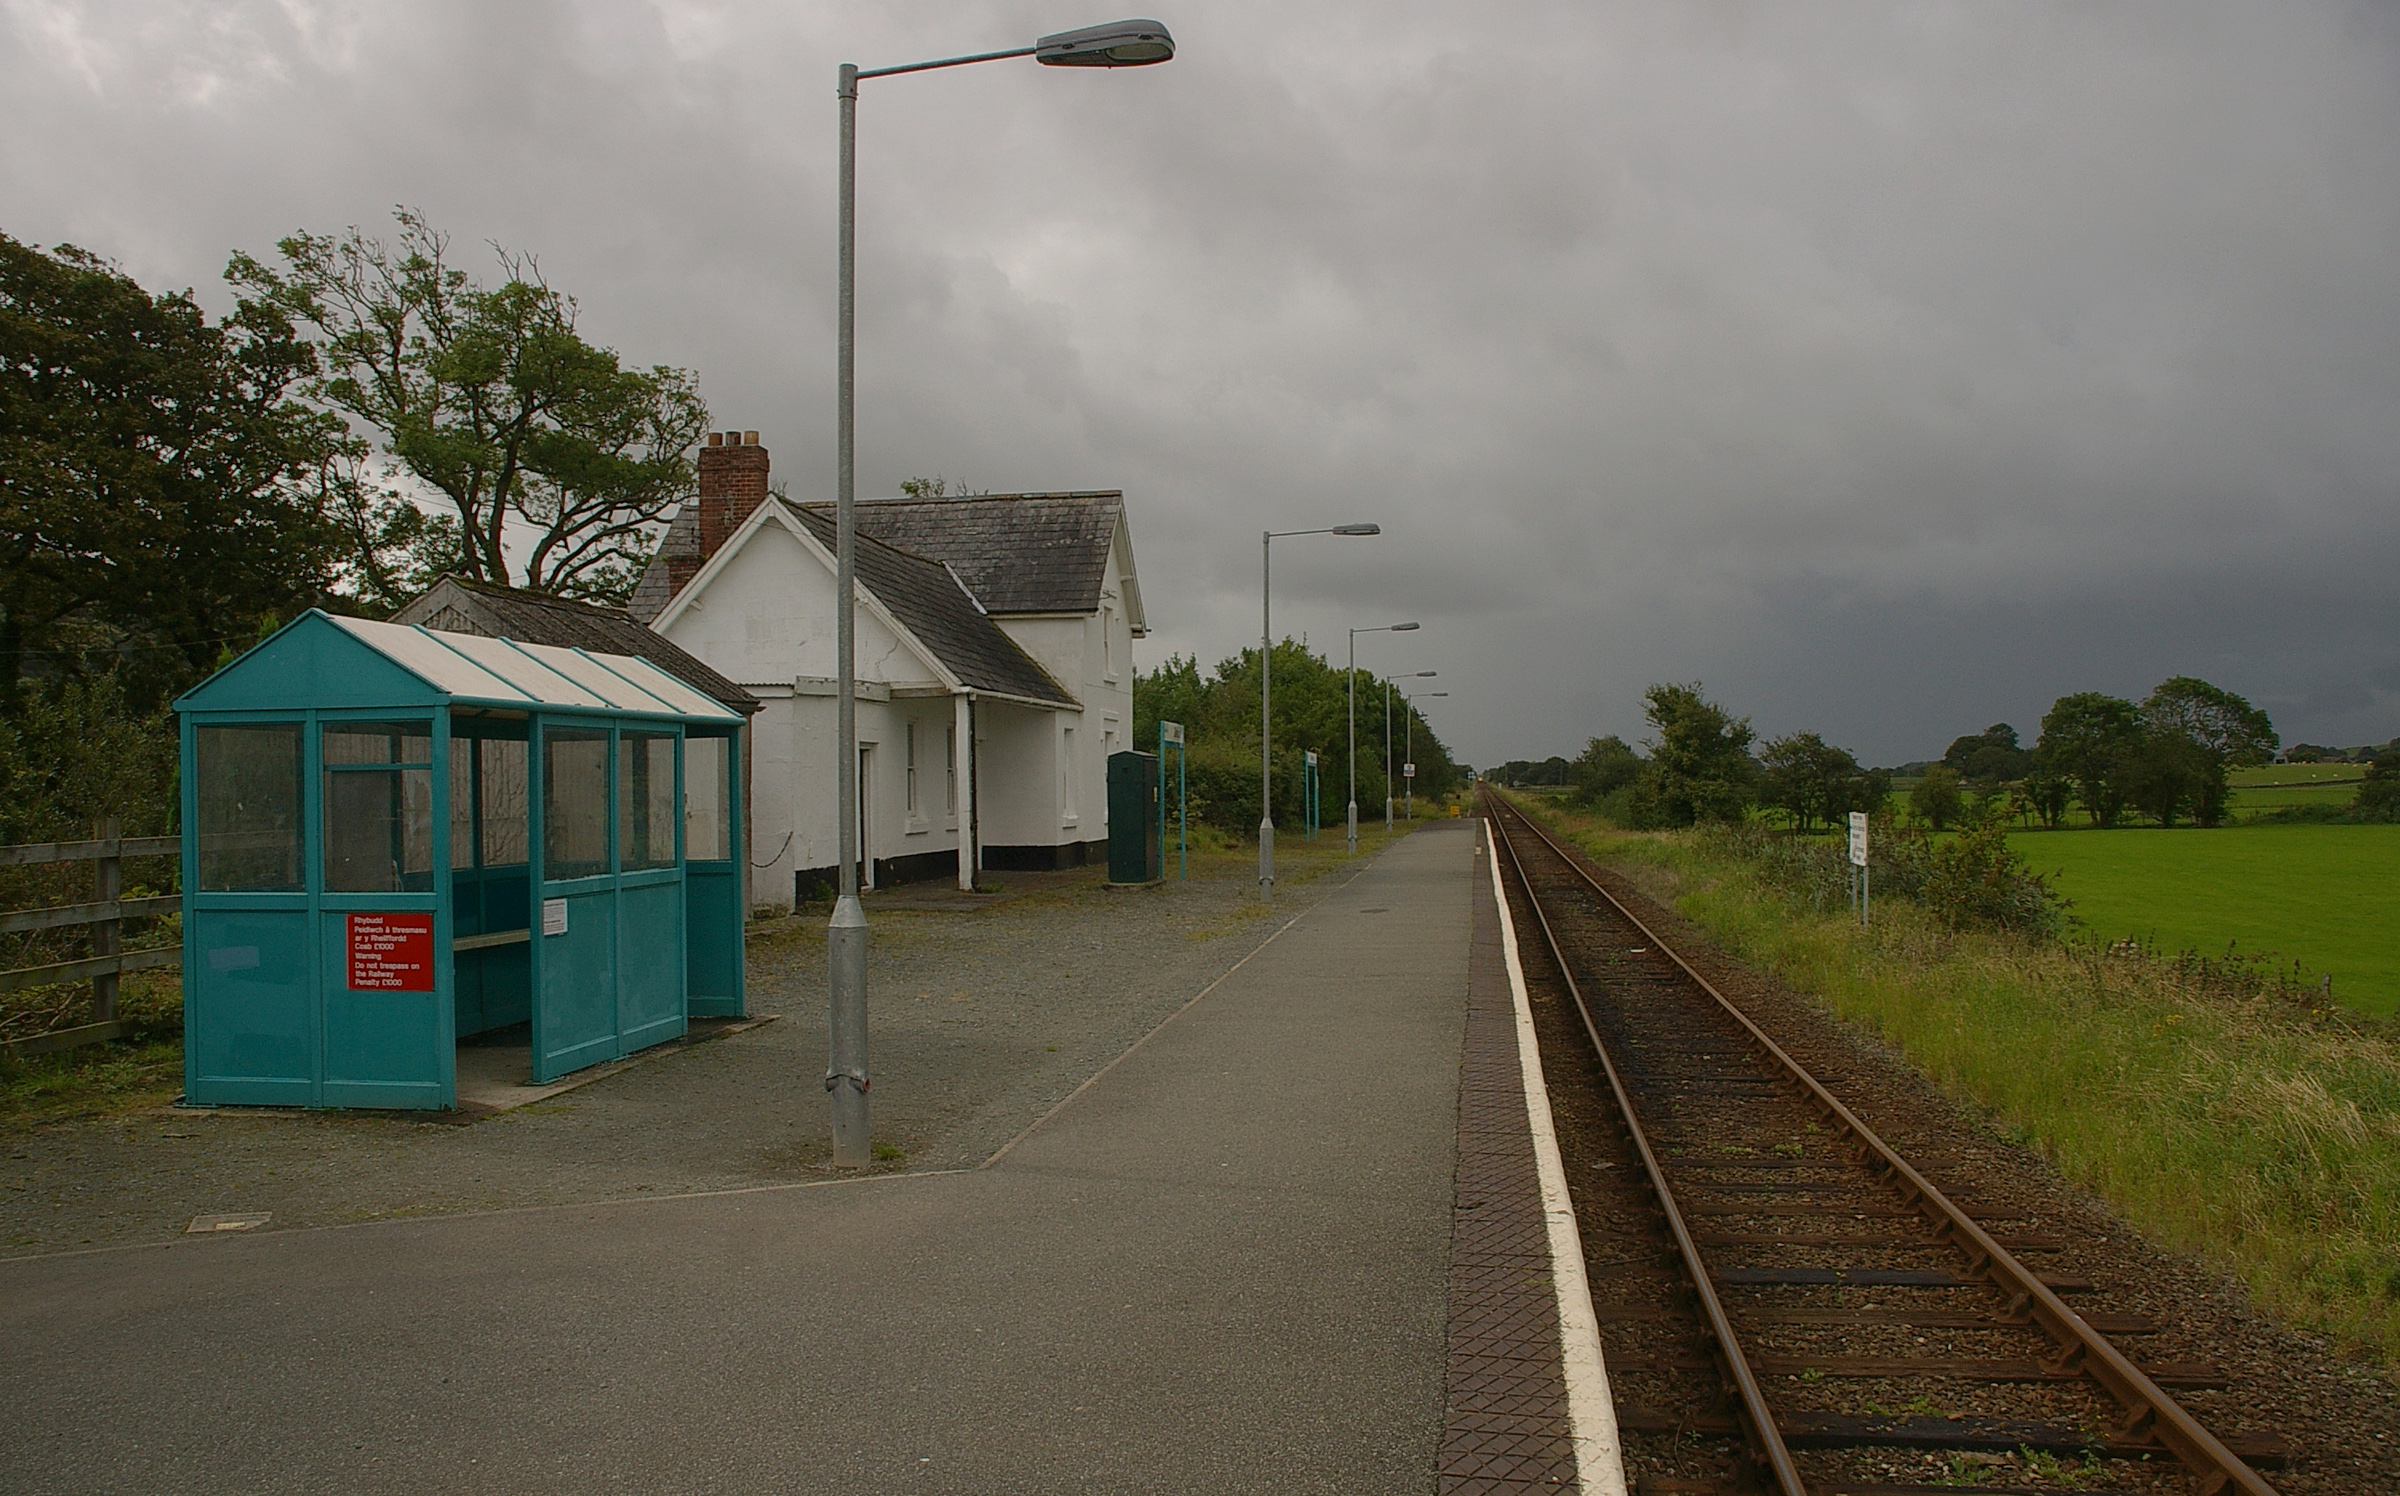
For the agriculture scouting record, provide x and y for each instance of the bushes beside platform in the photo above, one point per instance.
(2210, 1102)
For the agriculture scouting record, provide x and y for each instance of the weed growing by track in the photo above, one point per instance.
(2212, 1110)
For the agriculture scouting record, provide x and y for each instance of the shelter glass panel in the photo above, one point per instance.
(707, 800)
(378, 807)
(506, 799)
(574, 802)
(378, 743)
(646, 799)
(248, 779)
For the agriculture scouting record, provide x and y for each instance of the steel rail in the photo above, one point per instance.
(1765, 1439)
(2151, 1410)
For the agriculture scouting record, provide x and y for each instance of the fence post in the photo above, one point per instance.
(108, 885)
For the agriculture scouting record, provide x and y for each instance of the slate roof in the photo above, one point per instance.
(933, 605)
(535, 618)
(651, 594)
(1017, 552)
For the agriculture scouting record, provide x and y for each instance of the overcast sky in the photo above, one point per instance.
(1891, 369)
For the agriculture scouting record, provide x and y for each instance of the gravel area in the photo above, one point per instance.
(983, 1020)
(2340, 1419)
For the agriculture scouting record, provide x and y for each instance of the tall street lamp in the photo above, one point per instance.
(1266, 722)
(1387, 744)
(1116, 45)
(1410, 717)
(1381, 628)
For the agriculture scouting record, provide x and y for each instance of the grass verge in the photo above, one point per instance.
(2217, 1116)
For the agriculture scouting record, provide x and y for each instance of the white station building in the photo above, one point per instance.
(995, 669)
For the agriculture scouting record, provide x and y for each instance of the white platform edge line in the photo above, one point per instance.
(1591, 1408)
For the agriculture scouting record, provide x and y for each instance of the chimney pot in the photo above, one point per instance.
(749, 438)
(716, 438)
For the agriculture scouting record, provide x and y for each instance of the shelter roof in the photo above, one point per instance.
(459, 605)
(321, 660)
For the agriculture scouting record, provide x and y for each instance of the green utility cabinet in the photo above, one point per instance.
(1135, 854)
(396, 838)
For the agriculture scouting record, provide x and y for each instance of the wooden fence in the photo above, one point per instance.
(104, 916)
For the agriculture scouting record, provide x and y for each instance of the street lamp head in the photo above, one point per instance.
(1119, 44)
(1402, 628)
(1358, 529)
(1425, 674)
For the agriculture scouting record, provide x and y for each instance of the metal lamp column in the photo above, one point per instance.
(1118, 44)
(1352, 819)
(1410, 717)
(1266, 672)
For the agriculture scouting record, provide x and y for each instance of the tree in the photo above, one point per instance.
(540, 443)
(1936, 797)
(2091, 739)
(1605, 766)
(2378, 797)
(1990, 757)
(2197, 733)
(1811, 780)
(161, 491)
(1700, 767)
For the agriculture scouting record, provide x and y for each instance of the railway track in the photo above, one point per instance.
(1788, 1301)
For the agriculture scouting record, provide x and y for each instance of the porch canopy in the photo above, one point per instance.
(397, 838)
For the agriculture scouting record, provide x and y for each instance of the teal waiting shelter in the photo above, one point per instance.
(397, 838)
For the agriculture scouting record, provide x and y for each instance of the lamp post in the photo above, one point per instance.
(1387, 745)
(1118, 44)
(1410, 717)
(1266, 672)
(1381, 628)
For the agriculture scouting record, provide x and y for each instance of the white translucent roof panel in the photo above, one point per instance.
(533, 675)
(415, 651)
(678, 696)
(619, 689)
(525, 673)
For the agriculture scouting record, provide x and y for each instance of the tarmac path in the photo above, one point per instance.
(1220, 1267)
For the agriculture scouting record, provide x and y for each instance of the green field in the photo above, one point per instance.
(2323, 894)
(2274, 787)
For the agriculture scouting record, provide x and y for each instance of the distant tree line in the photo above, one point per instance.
(1219, 713)
(2165, 760)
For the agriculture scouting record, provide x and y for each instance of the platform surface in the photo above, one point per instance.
(1222, 1267)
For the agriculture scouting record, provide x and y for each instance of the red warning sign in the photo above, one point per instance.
(391, 952)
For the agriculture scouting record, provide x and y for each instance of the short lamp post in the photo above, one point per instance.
(1116, 45)
(1352, 821)
(1411, 719)
(1266, 694)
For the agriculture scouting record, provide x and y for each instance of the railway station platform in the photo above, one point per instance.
(1224, 1265)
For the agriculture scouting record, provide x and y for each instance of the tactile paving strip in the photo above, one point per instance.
(1505, 1425)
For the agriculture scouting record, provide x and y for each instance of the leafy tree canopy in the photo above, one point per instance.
(161, 491)
(1219, 713)
(2090, 739)
(1990, 757)
(542, 446)
(1700, 767)
(1812, 781)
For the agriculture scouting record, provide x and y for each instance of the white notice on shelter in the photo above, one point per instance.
(1858, 838)
(554, 916)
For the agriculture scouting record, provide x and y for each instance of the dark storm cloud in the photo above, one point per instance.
(1892, 368)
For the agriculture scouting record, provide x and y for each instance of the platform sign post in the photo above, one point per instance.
(1858, 860)
(1310, 783)
(1170, 734)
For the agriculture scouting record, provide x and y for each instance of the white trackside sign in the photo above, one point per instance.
(1858, 838)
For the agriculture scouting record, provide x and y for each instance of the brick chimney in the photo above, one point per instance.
(733, 482)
